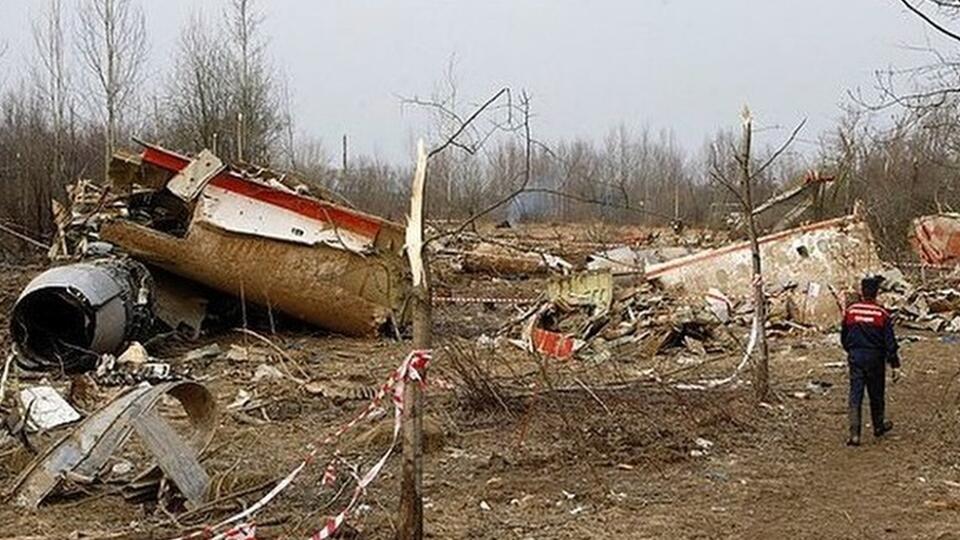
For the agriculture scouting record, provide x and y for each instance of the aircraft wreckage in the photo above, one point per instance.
(183, 222)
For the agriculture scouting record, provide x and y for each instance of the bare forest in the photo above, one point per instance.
(86, 94)
(216, 324)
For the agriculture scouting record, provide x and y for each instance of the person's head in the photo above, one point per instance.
(870, 287)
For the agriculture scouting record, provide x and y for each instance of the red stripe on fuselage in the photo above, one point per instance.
(307, 207)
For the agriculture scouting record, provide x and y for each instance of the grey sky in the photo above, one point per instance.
(684, 65)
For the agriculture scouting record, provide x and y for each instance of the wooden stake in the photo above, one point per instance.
(411, 483)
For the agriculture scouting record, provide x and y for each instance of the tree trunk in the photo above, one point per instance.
(411, 483)
(761, 381)
(411, 487)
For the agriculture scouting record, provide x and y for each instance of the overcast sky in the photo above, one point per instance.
(590, 65)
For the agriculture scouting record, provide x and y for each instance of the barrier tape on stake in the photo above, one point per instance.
(413, 368)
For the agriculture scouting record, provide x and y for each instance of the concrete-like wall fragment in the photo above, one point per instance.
(822, 259)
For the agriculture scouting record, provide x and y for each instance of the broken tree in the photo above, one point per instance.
(411, 488)
(761, 380)
(743, 191)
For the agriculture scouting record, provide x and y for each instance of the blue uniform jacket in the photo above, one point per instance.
(867, 333)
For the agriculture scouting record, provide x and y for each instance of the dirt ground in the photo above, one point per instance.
(630, 460)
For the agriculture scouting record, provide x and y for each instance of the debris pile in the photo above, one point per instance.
(82, 457)
(173, 243)
(496, 259)
(180, 234)
(699, 302)
(584, 317)
(936, 309)
(186, 227)
(78, 223)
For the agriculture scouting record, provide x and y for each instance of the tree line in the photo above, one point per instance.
(85, 94)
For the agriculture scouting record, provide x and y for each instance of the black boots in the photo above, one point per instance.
(880, 431)
(853, 417)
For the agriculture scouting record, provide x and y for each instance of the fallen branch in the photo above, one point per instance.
(25, 238)
(592, 394)
(281, 352)
(206, 507)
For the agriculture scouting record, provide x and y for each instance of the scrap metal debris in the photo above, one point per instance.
(497, 259)
(697, 301)
(254, 238)
(185, 224)
(69, 315)
(555, 329)
(86, 451)
(134, 366)
(812, 265)
(935, 310)
(936, 239)
(788, 208)
(45, 409)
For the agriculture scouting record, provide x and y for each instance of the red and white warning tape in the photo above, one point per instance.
(481, 300)
(413, 368)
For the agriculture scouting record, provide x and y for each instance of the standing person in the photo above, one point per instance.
(867, 336)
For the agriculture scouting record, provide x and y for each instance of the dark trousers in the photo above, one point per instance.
(866, 372)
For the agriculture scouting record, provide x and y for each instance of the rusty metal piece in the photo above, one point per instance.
(333, 288)
(936, 239)
(255, 238)
(85, 451)
(495, 259)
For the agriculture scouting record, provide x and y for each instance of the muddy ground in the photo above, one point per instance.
(548, 459)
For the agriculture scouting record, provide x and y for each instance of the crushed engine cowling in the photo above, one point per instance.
(70, 315)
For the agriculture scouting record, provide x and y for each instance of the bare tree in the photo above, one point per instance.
(743, 191)
(928, 85)
(257, 107)
(112, 43)
(52, 78)
(4, 47)
(199, 92)
(761, 377)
